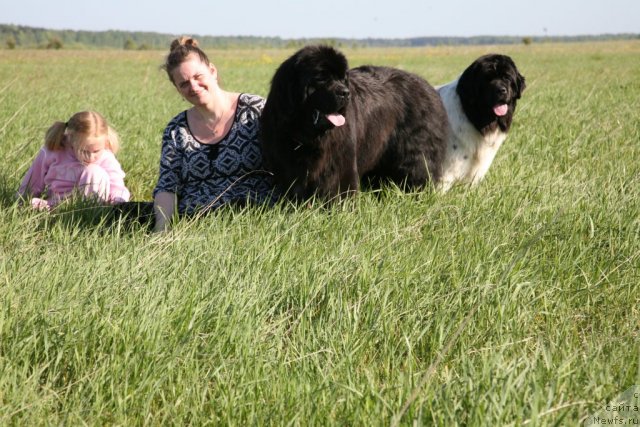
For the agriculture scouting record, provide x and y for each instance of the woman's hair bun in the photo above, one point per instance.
(184, 41)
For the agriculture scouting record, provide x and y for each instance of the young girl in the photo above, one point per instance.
(77, 158)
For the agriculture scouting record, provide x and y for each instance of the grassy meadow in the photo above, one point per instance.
(513, 303)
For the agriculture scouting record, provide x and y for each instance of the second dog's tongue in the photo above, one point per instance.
(336, 119)
(500, 110)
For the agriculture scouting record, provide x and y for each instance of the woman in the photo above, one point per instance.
(210, 153)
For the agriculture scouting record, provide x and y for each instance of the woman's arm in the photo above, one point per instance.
(165, 194)
(163, 208)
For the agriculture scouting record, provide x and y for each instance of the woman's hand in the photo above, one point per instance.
(164, 206)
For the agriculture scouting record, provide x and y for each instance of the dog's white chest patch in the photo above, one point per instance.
(468, 158)
(484, 154)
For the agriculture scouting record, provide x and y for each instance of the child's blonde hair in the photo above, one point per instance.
(75, 131)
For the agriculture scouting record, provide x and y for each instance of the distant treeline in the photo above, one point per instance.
(16, 36)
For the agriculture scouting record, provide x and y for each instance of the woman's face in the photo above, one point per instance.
(195, 80)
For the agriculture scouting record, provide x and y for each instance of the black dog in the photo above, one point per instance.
(480, 106)
(325, 127)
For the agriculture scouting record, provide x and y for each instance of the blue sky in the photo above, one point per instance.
(331, 18)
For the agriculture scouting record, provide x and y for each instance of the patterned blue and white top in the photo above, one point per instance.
(206, 176)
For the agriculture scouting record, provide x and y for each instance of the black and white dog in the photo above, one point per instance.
(480, 105)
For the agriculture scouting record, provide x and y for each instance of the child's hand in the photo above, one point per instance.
(40, 204)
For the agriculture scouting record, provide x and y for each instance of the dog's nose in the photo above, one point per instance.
(343, 92)
(502, 90)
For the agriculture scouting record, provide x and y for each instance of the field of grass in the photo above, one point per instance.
(513, 303)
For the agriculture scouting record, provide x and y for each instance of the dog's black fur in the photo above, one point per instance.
(395, 126)
(489, 81)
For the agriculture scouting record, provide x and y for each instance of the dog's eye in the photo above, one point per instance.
(310, 90)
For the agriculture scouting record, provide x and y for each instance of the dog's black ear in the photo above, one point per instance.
(520, 84)
(281, 95)
(468, 87)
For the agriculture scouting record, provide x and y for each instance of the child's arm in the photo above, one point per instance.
(118, 192)
(33, 181)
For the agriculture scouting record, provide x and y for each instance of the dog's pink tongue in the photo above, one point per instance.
(500, 110)
(336, 119)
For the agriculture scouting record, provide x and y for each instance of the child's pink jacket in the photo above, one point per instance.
(58, 173)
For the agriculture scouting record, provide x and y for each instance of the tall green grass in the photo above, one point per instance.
(513, 303)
